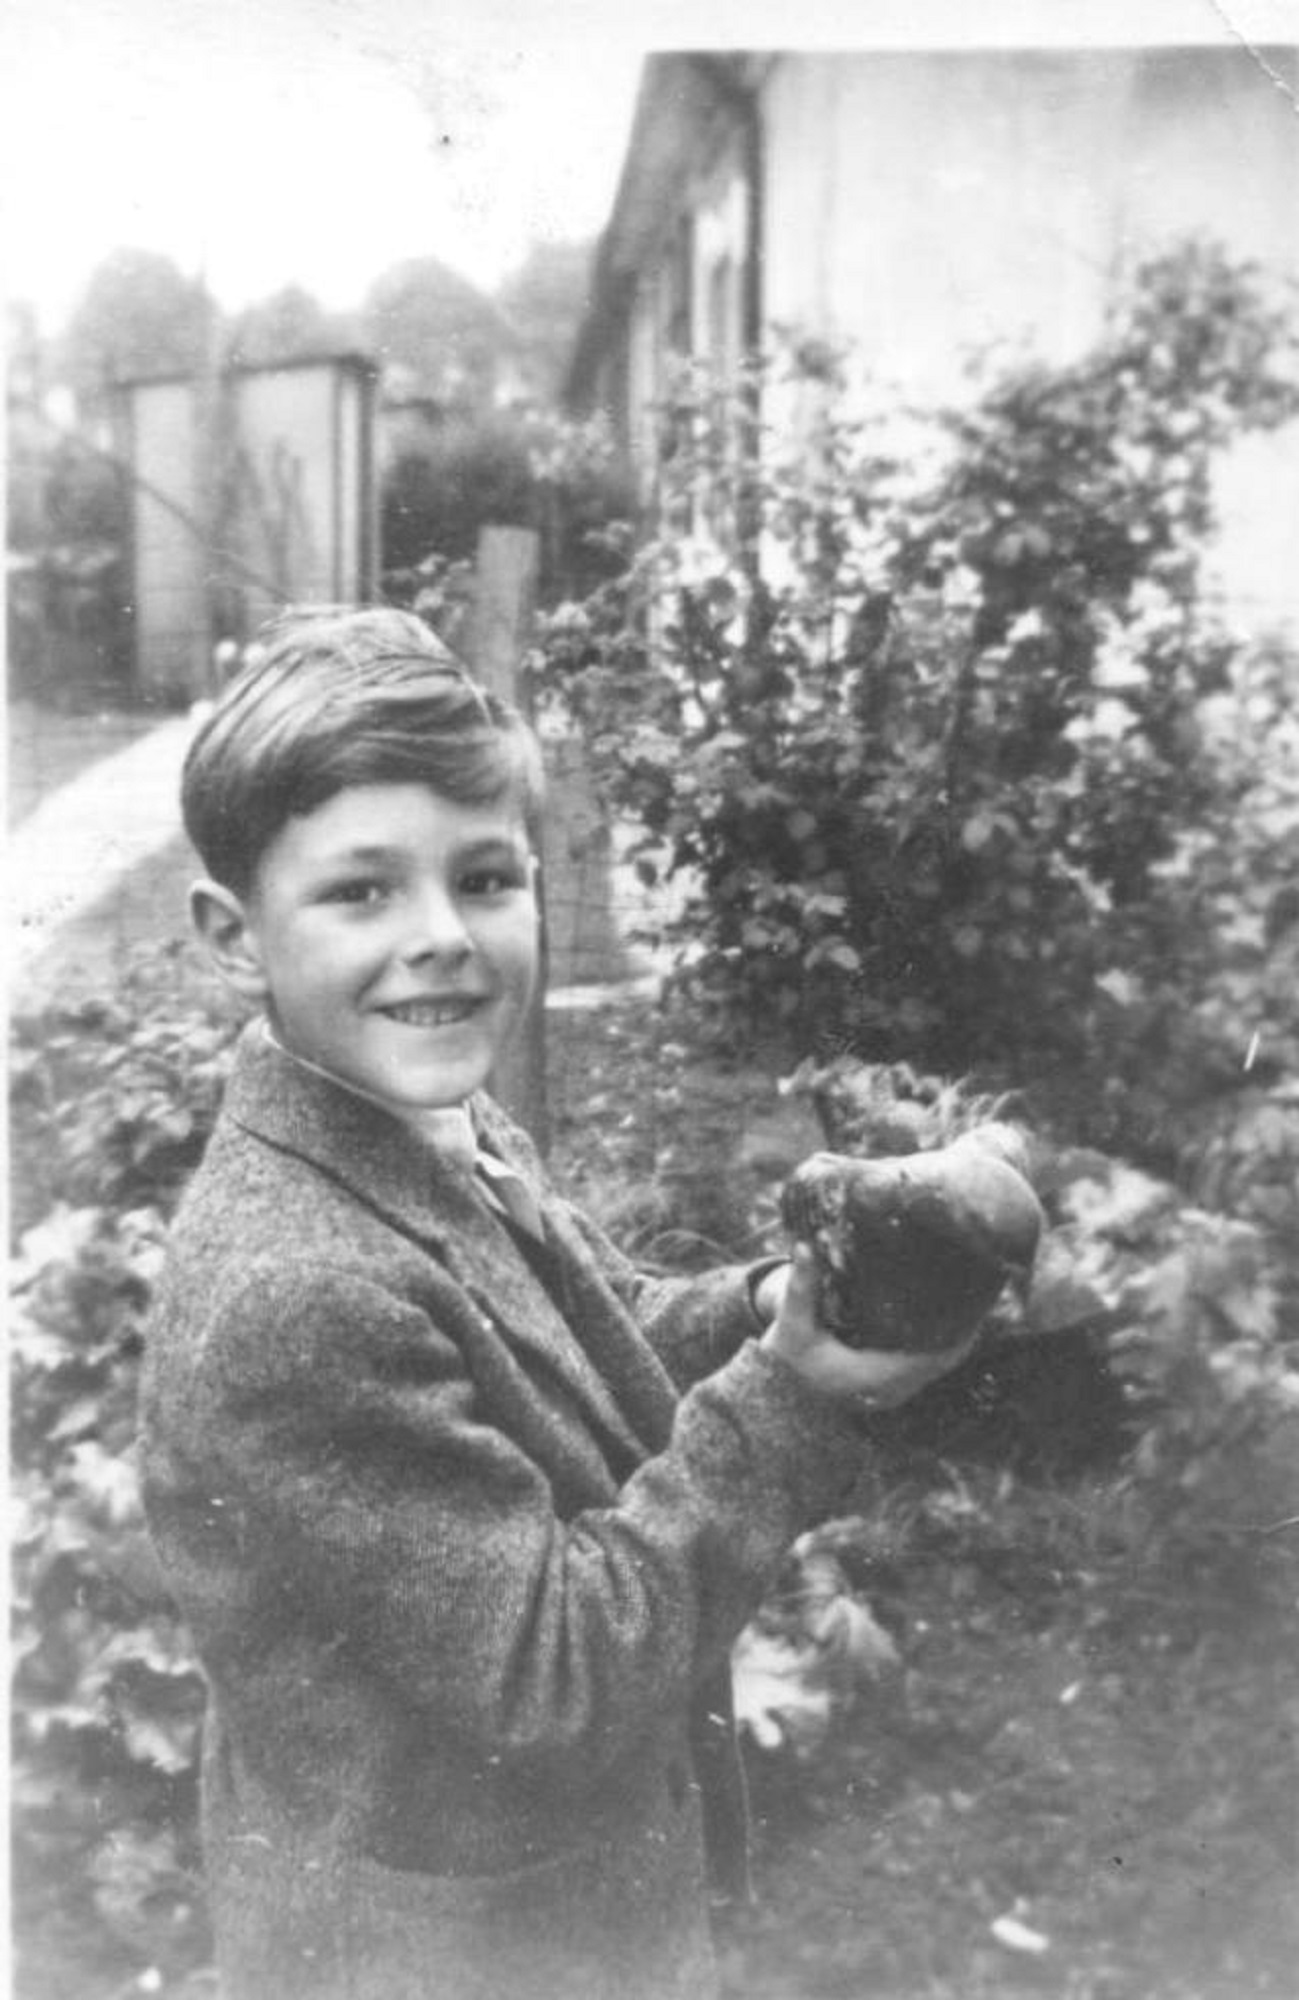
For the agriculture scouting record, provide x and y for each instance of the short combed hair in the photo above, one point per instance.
(339, 698)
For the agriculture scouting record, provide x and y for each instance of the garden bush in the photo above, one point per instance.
(513, 468)
(930, 738)
(68, 610)
(112, 1104)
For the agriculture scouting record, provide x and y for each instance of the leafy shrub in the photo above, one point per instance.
(112, 1106)
(1204, 1012)
(68, 611)
(916, 732)
(1156, 1349)
(516, 468)
(1191, 1307)
(437, 495)
(113, 1100)
(1156, 1339)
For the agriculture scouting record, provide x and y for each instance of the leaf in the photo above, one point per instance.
(777, 1698)
(40, 1348)
(78, 1417)
(110, 1484)
(854, 1640)
(1121, 987)
(1017, 1936)
(60, 1240)
(160, 1645)
(166, 1746)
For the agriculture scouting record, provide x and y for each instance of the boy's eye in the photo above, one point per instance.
(361, 890)
(493, 881)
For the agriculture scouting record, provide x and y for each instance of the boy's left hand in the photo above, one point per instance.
(882, 1378)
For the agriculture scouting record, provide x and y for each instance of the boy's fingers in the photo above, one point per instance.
(797, 1313)
(802, 1269)
(800, 1292)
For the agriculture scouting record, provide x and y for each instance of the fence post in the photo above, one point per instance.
(505, 591)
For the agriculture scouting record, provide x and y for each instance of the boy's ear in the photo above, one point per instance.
(222, 922)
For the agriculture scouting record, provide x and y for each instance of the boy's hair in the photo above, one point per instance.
(338, 698)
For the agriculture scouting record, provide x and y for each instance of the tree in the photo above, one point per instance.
(545, 299)
(286, 326)
(139, 315)
(442, 335)
(436, 498)
(923, 745)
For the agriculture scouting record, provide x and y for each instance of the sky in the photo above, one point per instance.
(267, 142)
(263, 142)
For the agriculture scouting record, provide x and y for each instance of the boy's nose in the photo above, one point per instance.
(437, 930)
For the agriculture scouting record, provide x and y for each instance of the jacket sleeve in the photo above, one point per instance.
(694, 1324)
(317, 1464)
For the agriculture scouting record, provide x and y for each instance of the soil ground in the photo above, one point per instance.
(1120, 1786)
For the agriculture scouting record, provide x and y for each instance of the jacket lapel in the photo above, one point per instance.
(386, 1165)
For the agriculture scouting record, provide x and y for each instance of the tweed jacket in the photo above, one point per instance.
(463, 1538)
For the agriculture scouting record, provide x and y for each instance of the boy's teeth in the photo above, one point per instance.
(430, 1013)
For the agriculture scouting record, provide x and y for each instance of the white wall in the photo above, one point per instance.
(926, 206)
(285, 431)
(295, 507)
(166, 578)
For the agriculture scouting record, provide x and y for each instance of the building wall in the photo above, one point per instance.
(297, 450)
(927, 207)
(689, 295)
(291, 511)
(720, 248)
(354, 492)
(924, 205)
(166, 570)
(283, 438)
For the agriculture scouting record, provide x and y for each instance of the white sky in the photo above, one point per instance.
(308, 141)
(319, 141)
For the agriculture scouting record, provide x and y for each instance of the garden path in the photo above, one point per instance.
(98, 866)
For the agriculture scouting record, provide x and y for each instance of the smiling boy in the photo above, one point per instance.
(391, 935)
(463, 1511)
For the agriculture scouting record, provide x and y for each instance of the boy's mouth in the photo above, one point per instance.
(432, 1013)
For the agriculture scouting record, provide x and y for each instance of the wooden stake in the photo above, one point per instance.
(505, 592)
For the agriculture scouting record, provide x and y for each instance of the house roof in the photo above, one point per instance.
(348, 360)
(682, 93)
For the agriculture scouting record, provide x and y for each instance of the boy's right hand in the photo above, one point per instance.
(881, 1378)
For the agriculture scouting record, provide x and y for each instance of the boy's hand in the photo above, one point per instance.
(881, 1378)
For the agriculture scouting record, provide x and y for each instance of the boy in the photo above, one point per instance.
(464, 1513)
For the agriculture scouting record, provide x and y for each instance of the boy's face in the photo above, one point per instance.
(395, 936)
